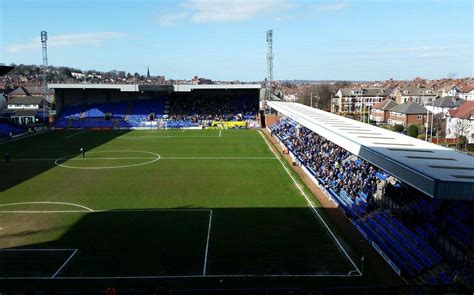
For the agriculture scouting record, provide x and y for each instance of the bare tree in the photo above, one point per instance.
(460, 131)
(452, 75)
(321, 95)
(439, 123)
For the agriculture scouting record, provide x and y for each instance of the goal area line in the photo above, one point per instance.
(58, 271)
(75, 250)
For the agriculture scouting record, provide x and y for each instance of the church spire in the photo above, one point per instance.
(148, 72)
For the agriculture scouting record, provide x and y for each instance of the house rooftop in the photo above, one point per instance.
(25, 100)
(409, 108)
(465, 111)
(448, 102)
(385, 105)
(413, 90)
(365, 91)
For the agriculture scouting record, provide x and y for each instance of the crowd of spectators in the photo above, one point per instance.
(213, 107)
(425, 222)
(336, 167)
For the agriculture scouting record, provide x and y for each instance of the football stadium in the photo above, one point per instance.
(198, 188)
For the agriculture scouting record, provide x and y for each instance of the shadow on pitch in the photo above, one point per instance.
(150, 245)
(42, 150)
(175, 242)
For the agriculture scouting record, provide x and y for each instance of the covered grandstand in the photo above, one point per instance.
(435, 170)
(411, 200)
(115, 106)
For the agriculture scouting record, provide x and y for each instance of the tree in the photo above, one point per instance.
(462, 140)
(286, 84)
(321, 94)
(398, 128)
(439, 124)
(121, 74)
(412, 131)
(460, 130)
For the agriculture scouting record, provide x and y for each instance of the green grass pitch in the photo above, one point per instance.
(177, 203)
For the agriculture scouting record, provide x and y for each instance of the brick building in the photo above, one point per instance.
(381, 111)
(409, 113)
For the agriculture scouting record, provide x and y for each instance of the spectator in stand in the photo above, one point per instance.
(199, 108)
(339, 169)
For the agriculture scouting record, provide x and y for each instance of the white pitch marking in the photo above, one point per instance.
(110, 158)
(310, 204)
(207, 244)
(220, 132)
(66, 158)
(84, 159)
(64, 264)
(49, 203)
(192, 276)
(74, 134)
(146, 158)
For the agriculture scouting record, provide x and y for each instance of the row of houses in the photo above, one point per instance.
(350, 100)
(406, 114)
(452, 115)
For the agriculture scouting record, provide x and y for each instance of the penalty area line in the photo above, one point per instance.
(191, 276)
(207, 244)
(310, 204)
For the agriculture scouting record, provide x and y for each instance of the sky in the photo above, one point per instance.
(226, 39)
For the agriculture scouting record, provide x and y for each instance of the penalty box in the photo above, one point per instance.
(118, 243)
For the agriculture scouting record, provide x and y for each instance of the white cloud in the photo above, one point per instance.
(233, 10)
(171, 19)
(66, 40)
(420, 49)
(331, 6)
(207, 11)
